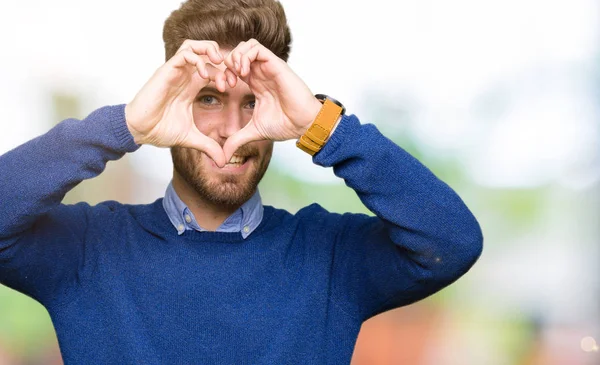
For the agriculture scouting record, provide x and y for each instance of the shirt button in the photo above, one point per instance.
(188, 218)
(180, 227)
(246, 229)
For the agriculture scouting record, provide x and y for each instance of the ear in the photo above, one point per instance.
(245, 135)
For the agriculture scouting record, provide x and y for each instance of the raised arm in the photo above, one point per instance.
(423, 236)
(42, 241)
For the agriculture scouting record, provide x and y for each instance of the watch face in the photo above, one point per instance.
(324, 97)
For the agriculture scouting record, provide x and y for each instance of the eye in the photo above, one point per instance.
(208, 100)
(251, 104)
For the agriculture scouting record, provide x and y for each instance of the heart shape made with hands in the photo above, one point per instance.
(284, 105)
(161, 114)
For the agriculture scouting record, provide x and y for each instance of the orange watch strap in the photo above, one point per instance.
(317, 134)
(307, 146)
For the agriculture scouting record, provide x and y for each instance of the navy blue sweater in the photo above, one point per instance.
(122, 287)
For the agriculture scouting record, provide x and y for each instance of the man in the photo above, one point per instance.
(207, 274)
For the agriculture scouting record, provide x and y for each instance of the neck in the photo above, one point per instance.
(209, 216)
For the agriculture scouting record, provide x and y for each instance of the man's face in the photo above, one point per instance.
(219, 115)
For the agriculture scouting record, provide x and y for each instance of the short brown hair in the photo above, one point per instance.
(229, 22)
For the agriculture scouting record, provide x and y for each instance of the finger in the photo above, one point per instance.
(187, 57)
(231, 77)
(244, 62)
(204, 48)
(221, 81)
(245, 65)
(236, 56)
(234, 59)
(201, 142)
(245, 135)
(217, 76)
(257, 53)
(214, 55)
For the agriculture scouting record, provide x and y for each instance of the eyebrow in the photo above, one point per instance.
(210, 89)
(214, 90)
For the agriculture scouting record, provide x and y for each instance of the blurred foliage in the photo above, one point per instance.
(65, 105)
(28, 328)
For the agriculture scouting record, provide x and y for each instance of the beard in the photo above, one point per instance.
(225, 190)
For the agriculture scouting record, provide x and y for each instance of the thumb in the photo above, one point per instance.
(245, 135)
(201, 142)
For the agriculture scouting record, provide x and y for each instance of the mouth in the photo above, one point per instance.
(238, 164)
(237, 161)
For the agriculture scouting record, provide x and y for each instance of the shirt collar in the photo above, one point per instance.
(244, 220)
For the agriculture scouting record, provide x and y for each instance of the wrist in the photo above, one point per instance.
(334, 128)
(137, 137)
(314, 110)
(324, 123)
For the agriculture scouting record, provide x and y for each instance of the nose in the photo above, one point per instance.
(233, 121)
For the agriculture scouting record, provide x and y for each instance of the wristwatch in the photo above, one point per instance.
(317, 134)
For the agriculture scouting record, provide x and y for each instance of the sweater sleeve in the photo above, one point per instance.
(41, 240)
(422, 238)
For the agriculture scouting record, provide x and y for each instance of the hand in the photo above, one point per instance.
(161, 112)
(284, 108)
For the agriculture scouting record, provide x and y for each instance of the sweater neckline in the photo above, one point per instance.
(155, 220)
